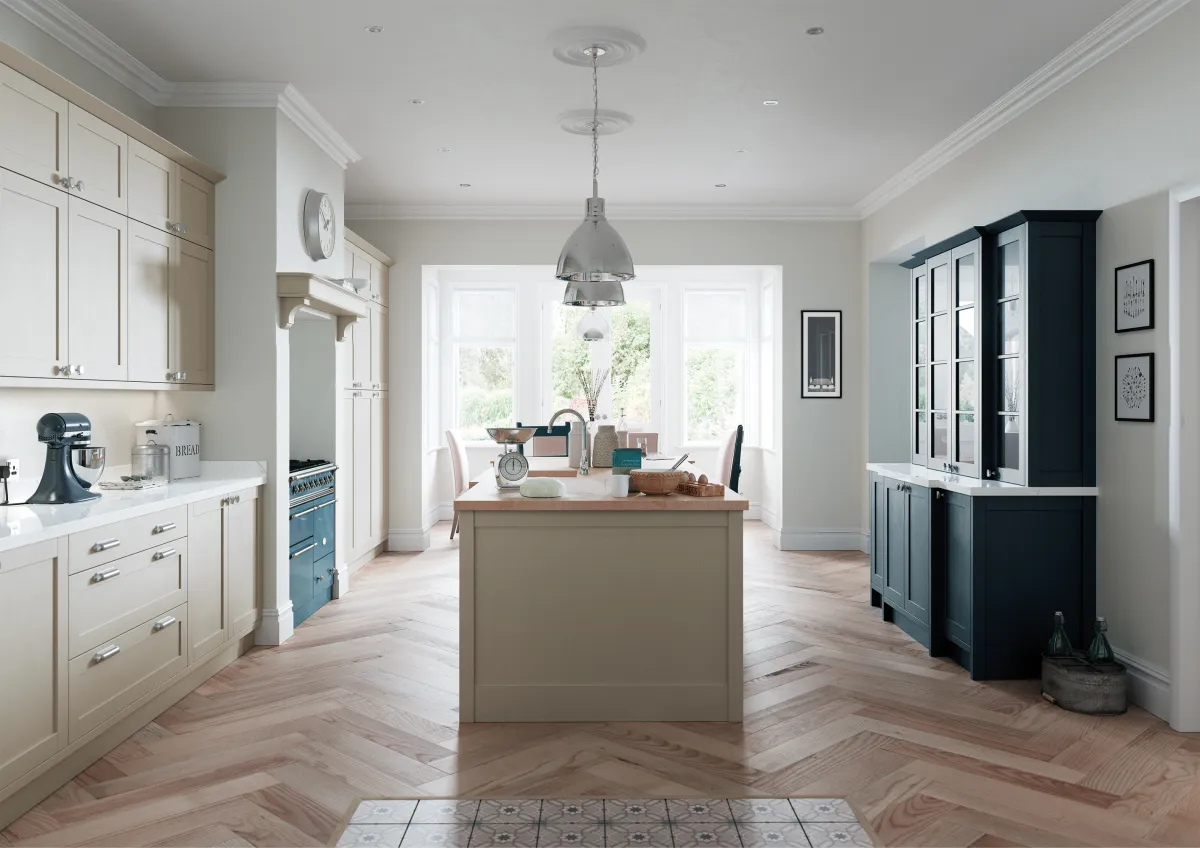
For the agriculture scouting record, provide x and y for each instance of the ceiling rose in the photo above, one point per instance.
(619, 46)
(608, 122)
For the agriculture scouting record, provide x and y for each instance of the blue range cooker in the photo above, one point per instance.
(312, 532)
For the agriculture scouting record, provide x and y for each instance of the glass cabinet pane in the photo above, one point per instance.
(941, 338)
(966, 333)
(966, 387)
(940, 448)
(922, 295)
(1010, 269)
(1009, 449)
(941, 387)
(965, 449)
(921, 388)
(1010, 327)
(1010, 385)
(941, 287)
(922, 342)
(965, 267)
(921, 431)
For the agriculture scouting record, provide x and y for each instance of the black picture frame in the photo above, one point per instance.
(1118, 396)
(1148, 281)
(807, 391)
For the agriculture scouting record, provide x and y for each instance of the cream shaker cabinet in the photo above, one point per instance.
(98, 157)
(33, 276)
(33, 626)
(223, 594)
(362, 472)
(378, 526)
(361, 356)
(379, 346)
(33, 129)
(193, 315)
(97, 301)
(169, 197)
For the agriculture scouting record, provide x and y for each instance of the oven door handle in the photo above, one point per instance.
(312, 509)
(303, 551)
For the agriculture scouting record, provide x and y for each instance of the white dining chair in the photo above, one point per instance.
(459, 468)
(729, 459)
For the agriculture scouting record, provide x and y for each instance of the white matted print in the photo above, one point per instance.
(1135, 387)
(1134, 296)
(821, 352)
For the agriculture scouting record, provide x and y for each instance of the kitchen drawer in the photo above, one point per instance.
(107, 600)
(91, 548)
(104, 681)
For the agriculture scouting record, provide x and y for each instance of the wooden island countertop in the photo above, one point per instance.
(588, 493)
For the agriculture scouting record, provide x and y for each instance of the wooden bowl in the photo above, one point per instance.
(656, 482)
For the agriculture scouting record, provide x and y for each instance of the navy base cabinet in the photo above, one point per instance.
(901, 555)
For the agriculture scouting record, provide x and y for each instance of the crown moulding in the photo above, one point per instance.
(392, 212)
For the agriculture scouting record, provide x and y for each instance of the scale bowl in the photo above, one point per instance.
(511, 435)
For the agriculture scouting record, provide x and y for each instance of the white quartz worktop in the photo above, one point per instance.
(26, 525)
(919, 475)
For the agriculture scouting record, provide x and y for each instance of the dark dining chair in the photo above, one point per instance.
(729, 459)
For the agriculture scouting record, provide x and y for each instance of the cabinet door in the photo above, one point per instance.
(361, 362)
(364, 268)
(381, 272)
(151, 261)
(878, 532)
(1010, 446)
(362, 476)
(894, 588)
(196, 215)
(919, 362)
(99, 161)
(33, 666)
(348, 258)
(241, 563)
(958, 512)
(302, 583)
(192, 315)
(378, 318)
(207, 602)
(152, 179)
(33, 129)
(965, 345)
(940, 359)
(33, 276)
(345, 479)
(97, 307)
(917, 591)
(378, 529)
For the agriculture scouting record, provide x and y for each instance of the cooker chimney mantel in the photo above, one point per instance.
(318, 294)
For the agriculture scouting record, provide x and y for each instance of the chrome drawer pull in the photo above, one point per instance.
(105, 653)
(327, 503)
(169, 552)
(106, 545)
(163, 623)
(313, 509)
(303, 551)
(164, 528)
(106, 574)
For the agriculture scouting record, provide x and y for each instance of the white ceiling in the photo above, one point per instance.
(887, 81)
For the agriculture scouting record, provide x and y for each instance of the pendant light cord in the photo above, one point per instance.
(595, 125)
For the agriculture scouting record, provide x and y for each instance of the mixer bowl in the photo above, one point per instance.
(511, 435)
(88, 462)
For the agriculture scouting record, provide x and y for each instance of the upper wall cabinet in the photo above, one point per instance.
(367, 262)
(1003, 351)
(106, 242)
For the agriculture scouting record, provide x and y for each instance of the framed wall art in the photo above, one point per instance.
(821, 353)
(1134, 387)
(1134, 296)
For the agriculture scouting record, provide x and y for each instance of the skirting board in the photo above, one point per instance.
(823, 540)
(408, 540)
(1149, 685)
(365, 558)
(276, 626)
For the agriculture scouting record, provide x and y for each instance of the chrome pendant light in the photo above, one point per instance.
(595, 261)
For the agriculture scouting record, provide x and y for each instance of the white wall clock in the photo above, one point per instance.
(320, 225)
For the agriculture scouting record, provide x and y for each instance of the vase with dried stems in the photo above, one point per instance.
(591, 381)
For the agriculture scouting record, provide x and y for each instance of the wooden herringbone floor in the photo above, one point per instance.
(361, 703)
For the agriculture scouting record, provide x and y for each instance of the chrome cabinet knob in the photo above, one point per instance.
(67, 182)
(62, 370)
(78, 369)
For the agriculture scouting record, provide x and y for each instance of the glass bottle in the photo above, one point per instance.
(1060, 645)
(1100, 651)
(622, 431)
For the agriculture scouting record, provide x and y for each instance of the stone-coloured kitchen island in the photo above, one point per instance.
(595, 608)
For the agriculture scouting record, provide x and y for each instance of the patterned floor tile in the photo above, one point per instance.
(703, 810)
(509, 812)
(583, 835)
(584, 810)
(836, 835)
(437, 836)
(643, 835)
(762, 810)
(383, 812)
(772, 835)
(506, 835)
(823, 810)
(635, 811)
(445, 812)
(372, 836)
(710, 834)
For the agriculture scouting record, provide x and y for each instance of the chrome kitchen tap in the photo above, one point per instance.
(584, 466)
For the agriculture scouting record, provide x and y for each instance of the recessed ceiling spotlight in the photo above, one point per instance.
(464, 185)
(770, 102)
(719, 185)
(740, 150)
(443, 150)
(374, 29)
(815, 31)
(417, 101)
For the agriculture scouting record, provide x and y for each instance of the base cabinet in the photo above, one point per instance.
(901, 554)
(223, 574)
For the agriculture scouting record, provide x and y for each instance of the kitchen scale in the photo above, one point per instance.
(511, 466)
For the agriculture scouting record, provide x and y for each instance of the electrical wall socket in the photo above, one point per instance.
(14, 467)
